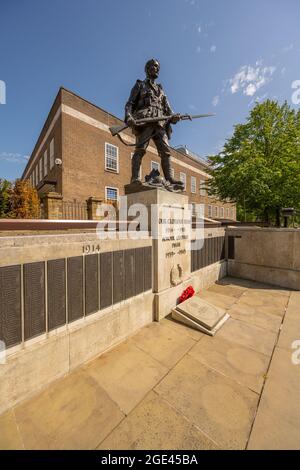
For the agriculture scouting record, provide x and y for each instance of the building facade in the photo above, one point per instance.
(76, 157)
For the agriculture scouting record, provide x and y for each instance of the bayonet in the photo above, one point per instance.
(116, 130)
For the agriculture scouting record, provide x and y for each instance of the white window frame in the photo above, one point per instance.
(221, 212)
(232, 214)
(182, 177)
(216, 211)
(209, 211)
(227, 213)
(140, 173)
(156, 165)
(45, 162)
(114, 189)
(107, 168)
(172, 173)
(193, 184)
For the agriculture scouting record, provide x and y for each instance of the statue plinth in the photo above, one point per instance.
(170, 227)
(138, 187)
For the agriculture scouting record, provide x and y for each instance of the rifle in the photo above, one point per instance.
(116, 130)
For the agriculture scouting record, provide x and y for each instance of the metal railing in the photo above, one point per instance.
(74, 210)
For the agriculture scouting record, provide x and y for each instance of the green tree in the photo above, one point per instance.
(5, 194)
(259, 167)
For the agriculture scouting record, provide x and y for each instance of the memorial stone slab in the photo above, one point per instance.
(201, 311)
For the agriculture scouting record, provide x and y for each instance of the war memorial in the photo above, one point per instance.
(151, 328)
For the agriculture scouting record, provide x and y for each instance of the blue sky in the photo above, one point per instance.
(216, 56)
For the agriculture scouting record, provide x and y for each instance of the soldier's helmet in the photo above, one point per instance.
(151, 62)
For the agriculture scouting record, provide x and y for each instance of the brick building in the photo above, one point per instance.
(76, 158)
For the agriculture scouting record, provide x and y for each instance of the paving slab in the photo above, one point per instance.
(72, 413)
(282, 389)
(217, 405)
(127, 374)
(277, 425)
(254, 316)
(162, 343)
(289, 334)
(10, 438)
(271, 432)
(229, 290)
(293, 308)
(250, 336)
(266, 302)
(253, 286)
(244, 365)
(155, 425)
(182, 329)
(219, 300)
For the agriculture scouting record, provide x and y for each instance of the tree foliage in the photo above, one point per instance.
(5, 193)
(24, 201)
(259, 167)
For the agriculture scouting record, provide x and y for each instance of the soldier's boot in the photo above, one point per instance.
(166, 166)
(136, 165)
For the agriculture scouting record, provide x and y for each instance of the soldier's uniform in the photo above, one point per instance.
(147, 99)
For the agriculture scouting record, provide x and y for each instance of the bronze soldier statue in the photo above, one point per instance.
(148, 100)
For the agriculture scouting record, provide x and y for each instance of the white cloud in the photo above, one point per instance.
(198, 49)
(13, 157)
(192, 107)
(250, 90)
(288, 48)
(283, 70)
(215, 100)
(250, 79)
(213, 48)
(199, 29)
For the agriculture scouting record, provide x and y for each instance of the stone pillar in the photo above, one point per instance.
(92, 205)
(171, 256)
(53, 206)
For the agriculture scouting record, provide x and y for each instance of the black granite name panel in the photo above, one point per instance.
(213, 250)
(129, 261)
(56, 286)
(34, 300)
(106, 279)
(91, 284)
(118, 276)
(10, 306)
(75, 288)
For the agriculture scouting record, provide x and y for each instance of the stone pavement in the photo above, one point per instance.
(171, 387)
